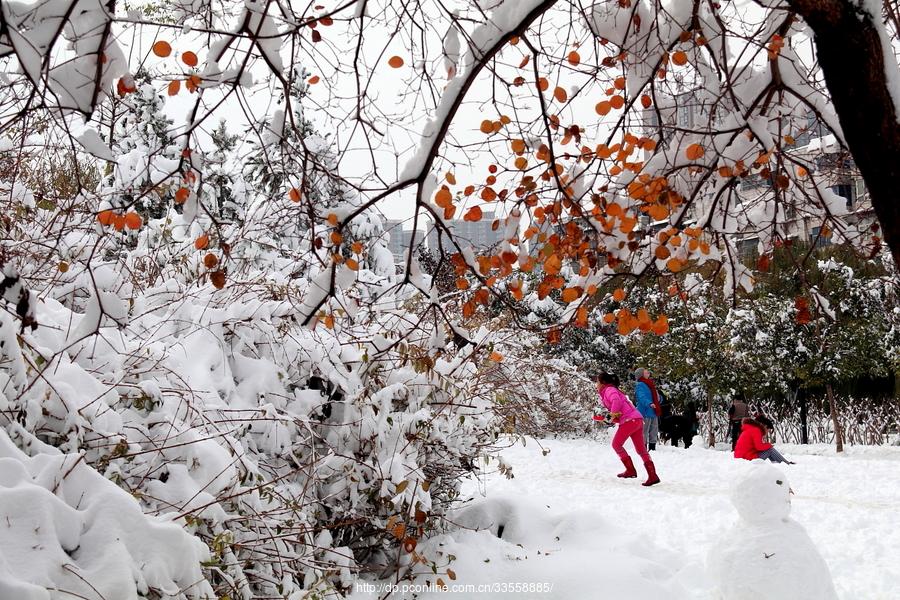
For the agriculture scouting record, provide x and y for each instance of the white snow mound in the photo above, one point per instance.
(68, 532)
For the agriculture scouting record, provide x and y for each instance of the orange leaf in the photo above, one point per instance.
(395, 62)
(571, 294)
(619, 295)
(619, 83)
(181, 195)
(473, 215)
(617, 102)
(646, 101)
(443, 198)
(543, 84)
(201, 242)
(313, 80)
(661, 326)
(294, 195)
(210, 260)
(217, 278)
(581, 317)
(694, 152)
(356, 247)
(496, 357)
(574, 58)
(675, 265)
(133, 220)
(105, 217)
(189, 58)
(462, 284)
(679, 58)
(560, 94)
(174, 87)
(162, 49)
(603, 108)
(451, 178)
(352, 264)
(193, 83)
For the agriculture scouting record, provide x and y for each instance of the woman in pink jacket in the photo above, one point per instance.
(630, 422)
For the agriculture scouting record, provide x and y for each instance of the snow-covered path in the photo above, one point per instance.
(848, 504)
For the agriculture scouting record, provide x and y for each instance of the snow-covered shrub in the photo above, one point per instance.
(69, 530)
(301, 414)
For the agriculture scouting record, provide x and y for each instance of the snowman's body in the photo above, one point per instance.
(767, 555)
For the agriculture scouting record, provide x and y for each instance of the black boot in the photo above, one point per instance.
(652, 446)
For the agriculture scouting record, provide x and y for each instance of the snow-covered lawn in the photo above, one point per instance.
(592, 535)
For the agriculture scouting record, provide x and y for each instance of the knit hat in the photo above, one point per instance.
(639, 372)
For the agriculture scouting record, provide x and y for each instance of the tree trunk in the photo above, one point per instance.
(804, 417)
(838, 433)
(852, 60)
(711, 440)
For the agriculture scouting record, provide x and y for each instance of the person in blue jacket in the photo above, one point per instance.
(647, 403)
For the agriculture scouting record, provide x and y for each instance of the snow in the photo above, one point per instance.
(94, 144)
(65, 527)
(872, 8)
(570, 522)
(766, 554)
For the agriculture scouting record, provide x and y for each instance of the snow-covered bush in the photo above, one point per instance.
(301, 415)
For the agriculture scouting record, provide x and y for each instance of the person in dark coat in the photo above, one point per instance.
(690, 423)
(736, 414)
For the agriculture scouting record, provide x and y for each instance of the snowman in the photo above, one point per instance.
(767, 555)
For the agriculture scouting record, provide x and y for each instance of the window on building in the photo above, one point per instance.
(684, 116)
(845, 190)
(859, 190)
(819, 240)
(747, 248)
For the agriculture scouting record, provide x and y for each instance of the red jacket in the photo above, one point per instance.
(750, 443)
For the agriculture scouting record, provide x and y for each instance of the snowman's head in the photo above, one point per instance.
(762, 495)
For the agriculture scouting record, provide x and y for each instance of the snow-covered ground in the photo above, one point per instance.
(571, 524)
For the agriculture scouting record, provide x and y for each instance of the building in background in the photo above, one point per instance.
(479, 234)
(813, 145)
(401, 235)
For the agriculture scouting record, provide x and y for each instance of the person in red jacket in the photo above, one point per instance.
(750, 444)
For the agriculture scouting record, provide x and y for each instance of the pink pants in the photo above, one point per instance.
(633, 429)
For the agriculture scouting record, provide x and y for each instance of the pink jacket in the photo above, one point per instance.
(617, 402)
